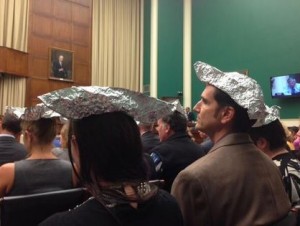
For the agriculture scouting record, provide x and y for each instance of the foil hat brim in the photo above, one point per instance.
(83, 101)
(244, 90)
(32, 113)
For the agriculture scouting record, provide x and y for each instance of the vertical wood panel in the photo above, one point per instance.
(62, 24)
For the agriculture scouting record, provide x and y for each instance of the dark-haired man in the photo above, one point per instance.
(271, 139)
(235, 183)
(10, 148)
(176, 150)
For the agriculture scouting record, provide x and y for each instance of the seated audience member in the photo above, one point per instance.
(41, 171)
(149, 139)
(107, 147)
(62, 152)
(176, 151)
(234, 183)
(10, 148)
(270, 138)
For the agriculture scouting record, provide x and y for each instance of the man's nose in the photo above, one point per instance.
(197, 107)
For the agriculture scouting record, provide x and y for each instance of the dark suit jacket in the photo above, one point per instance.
(60, 74)
(191, 116)
(11, 150)
(176, 153)
(149, 141)
(234, 184)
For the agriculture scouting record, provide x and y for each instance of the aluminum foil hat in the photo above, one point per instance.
(244, 90)
(83, 101)
(32, 113)
(273, 114)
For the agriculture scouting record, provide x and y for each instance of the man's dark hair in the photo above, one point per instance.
(273, 132)
(11, 123)
(176, 121)
(241, 123)
(110, 148)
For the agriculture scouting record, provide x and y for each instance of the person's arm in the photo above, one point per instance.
(7, 176)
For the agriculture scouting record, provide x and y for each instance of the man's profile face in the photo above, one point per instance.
(207, 109)
(162, 130)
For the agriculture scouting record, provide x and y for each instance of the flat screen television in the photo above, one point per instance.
(285, 86)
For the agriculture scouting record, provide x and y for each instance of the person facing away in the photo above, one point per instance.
(41, 171)
(108, 149)
(149, 139)
(176, 150)
(59, 69)
(271, 140)
(235, 183)
(10, 147)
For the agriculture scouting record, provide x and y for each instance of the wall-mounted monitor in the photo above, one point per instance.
(285, 86)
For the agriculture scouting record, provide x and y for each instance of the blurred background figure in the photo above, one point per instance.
(62, 151)
(10, 147)
(189, 114)
(149, 138)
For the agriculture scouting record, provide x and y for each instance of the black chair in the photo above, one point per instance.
(30, 210)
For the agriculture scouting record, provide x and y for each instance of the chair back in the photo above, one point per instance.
(32, 209)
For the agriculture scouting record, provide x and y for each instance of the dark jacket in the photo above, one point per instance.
(11, 150)
(174, 155)
(149, 141)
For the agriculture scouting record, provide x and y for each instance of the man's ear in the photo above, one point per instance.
(167, 128)
(262, 143)
(227, 114)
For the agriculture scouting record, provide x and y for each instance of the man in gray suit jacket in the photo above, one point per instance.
(235, 183)
(10, 148)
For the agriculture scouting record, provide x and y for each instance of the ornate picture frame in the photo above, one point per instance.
(61, 64)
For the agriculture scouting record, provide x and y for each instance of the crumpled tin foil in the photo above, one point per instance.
(244, 90)
(83, 101)
(273, 114)
(32, 113)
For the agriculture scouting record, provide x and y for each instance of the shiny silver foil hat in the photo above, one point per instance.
(83, 101)
(32, 113)
(244, 90)
(273, 114)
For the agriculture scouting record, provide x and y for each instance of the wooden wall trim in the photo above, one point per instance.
(13, 62)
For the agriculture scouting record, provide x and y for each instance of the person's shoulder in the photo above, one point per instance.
(84, 214)
(162, 201)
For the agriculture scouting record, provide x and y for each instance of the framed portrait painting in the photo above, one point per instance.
(61, 64)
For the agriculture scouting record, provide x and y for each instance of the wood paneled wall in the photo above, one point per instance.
(64, 24)
(13, 62)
